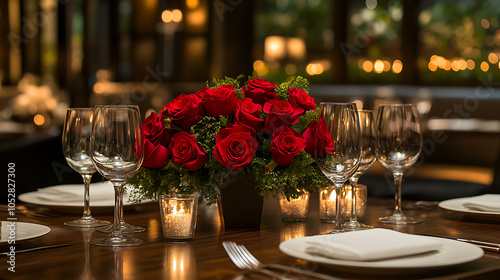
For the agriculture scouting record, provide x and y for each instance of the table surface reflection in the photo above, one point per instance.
(204, 257)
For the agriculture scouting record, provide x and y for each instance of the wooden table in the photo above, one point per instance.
(205, 258)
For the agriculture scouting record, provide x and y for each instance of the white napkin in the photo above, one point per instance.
(370, 245)
(75, 192)
(485, 202)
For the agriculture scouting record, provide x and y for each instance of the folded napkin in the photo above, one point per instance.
(370, 245)
(485, 202)
(75, 192)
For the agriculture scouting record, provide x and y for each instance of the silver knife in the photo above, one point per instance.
(487, 246)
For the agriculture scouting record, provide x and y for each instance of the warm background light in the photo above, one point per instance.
(274, 48)
(166, 16)
(368, 66)
(397, 66)
(378, 66)
(471, 64)
(493, 58)
(176, 15)
(485, 66)
(39, 119)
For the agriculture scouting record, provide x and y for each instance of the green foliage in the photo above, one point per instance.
(301, 176)
(305, 120)
(291, 82)
(205, 132)
(230, 81)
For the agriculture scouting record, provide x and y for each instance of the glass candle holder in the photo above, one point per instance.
(327, 199)
(294, 210)
(361, 197)
(178, 215)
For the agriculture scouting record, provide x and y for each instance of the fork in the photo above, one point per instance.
(245, 254)
(236, 256)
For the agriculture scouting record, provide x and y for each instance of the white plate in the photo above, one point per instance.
(25, 231)
(456, 205)
(452, 253)
(96, 206)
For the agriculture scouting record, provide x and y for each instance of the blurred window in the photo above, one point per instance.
(459, 41)
(293, 38)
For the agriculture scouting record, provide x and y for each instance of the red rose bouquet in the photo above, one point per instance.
(259, 129)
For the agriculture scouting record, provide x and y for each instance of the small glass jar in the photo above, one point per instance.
(327, 199)
(178, 215)
(361, 197)
(294, 210)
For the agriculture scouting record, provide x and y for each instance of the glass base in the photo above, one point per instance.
(87, 223)
(125, 228)
(399, 220)
(355, 225)
(116, 239)
(335, 231)
(328, 221)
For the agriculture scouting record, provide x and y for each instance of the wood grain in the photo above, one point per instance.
(204, 257)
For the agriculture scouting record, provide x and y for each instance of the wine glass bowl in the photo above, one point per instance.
(76, 149)
(338, 156)
(117, 153)
(399, 143)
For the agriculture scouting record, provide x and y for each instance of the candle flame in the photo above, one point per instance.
(332, 196)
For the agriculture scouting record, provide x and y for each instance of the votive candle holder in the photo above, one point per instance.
(327, 198)
(178, 215)
(294, 210)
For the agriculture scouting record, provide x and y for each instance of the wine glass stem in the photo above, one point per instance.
(86, 200)
(118, 217)
(338, 208)
(398, 178)
(354, 185)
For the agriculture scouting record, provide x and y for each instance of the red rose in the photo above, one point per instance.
(286, 144)
(234, 148)
(280, 112)
(233, 128)
(301, 99)
(185, 151)
(220, 101)
(155, 156)
(259, 90)
(185, 111)
(155, 131)
(319, 141)
(248, 113)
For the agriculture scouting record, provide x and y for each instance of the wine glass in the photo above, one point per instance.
(399, 142)
(76, 149)
(368, 157)
(340, 147)
(117, 152)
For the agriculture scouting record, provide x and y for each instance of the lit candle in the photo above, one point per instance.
(328, 198)
(360, 197)
(294, 210)
(178, 216)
